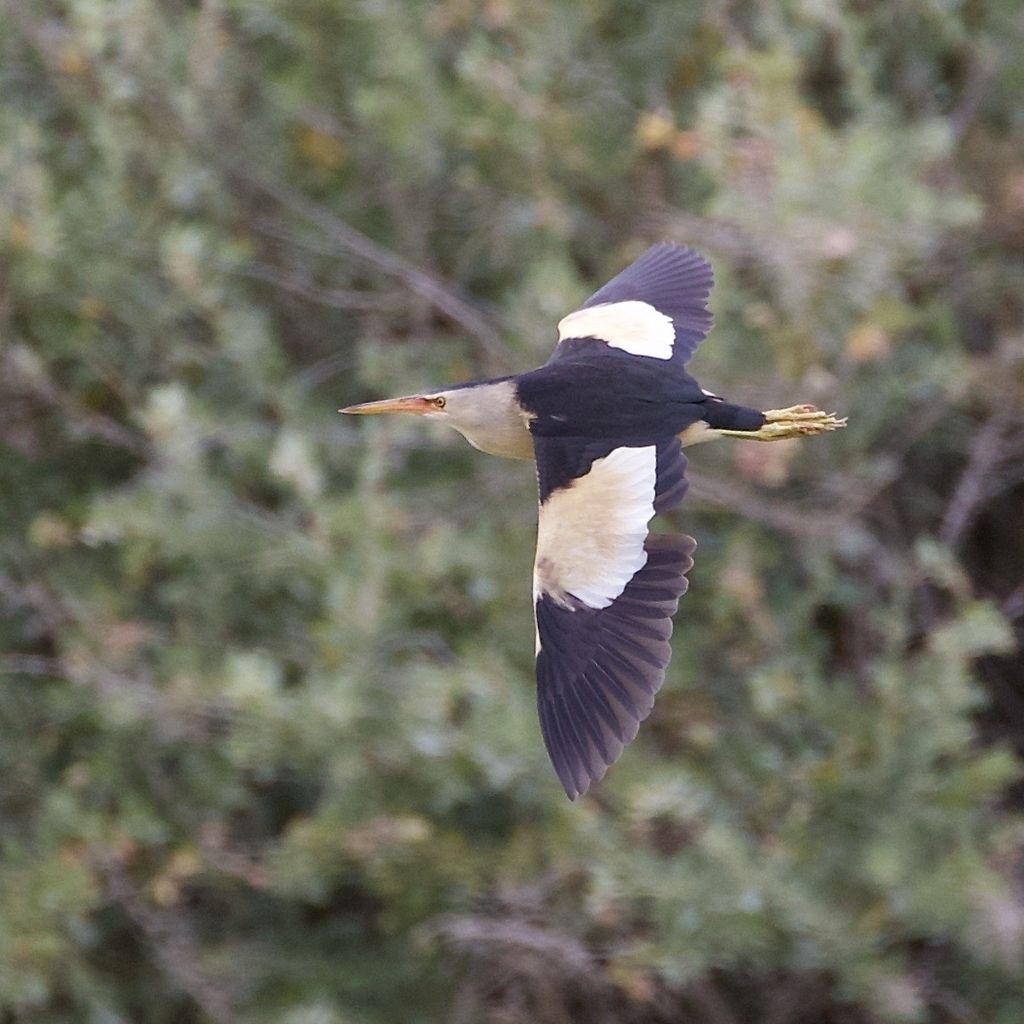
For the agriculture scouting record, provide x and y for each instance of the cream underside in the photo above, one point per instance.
(507, 435)
(697, 433)
(514, 442)
(635, 327)
(590, 535)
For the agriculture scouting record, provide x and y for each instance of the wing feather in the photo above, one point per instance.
(656, 307)
(605, 592)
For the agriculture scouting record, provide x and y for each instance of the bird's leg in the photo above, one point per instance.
(796, 421)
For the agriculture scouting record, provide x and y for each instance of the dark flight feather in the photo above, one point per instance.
(598, 670)
(672, 484)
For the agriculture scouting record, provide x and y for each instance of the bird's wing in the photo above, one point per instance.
(656, 307)
(605, 592)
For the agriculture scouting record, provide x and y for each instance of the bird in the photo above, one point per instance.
(606, 419)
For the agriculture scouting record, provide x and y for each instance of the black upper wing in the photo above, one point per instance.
(657, 307)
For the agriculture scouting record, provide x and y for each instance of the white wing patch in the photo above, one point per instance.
(635, 327)
(590, 535)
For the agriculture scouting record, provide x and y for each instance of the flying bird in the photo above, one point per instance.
(606, 418)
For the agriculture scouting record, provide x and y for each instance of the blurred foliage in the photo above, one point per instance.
(269, 749)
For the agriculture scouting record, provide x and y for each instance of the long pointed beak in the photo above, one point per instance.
(411, 403)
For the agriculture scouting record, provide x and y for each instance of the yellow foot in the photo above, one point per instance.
(796, 421)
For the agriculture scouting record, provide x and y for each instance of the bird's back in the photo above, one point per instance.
(594, 392)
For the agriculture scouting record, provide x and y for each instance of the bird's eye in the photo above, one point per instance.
(439, 402)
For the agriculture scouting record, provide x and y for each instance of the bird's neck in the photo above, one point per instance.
(498, 424)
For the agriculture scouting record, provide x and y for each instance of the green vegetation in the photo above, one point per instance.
(268, 747)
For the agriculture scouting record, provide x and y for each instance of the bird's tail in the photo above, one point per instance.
(721, 415)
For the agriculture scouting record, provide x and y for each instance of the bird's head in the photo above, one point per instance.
(432, 404)
(463, 406)
(485, 412)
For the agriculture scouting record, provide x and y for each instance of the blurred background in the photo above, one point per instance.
(269, 750)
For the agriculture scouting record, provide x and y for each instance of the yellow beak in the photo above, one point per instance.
(411, 403)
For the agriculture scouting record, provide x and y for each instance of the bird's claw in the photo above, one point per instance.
(797, 421)
(800, 413)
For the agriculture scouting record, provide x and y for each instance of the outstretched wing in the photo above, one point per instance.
(656, 307)
(605, 592)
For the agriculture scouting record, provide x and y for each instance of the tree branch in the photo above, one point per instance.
(348, 240)
(172, 944)
(333, 298)
(988, 449)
